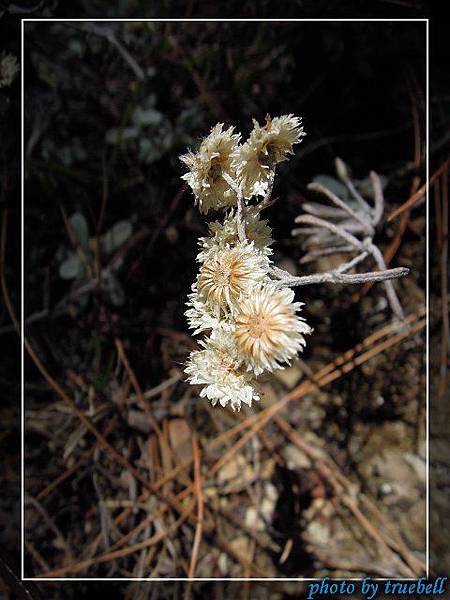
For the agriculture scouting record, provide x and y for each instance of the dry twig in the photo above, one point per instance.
(199, 494)
(336, 230)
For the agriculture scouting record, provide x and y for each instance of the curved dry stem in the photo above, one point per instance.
(379, 198)
(392, 296)
(267, 200)
(365, 222)
(339, 231)
(337, 276)
(240, 206)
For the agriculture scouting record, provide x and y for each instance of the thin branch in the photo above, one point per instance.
(137, 388)
(316, 232)
(240, 206)
(352, 263)
(414, 199)
(389, 254)
(108, 34)
(51, 525)
(342, 171)
(267, 201)
(314, 254)
(338, 277)
(322, 210)
(321, 189)
(392, 296)
(155, 391)
(199, 494)
(379, 198)
(348, 237)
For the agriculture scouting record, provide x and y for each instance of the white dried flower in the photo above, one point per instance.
(268, 330)
(207, 166)
(203, 315)
(230, 273)
(226, 233)
(9, 67)
(250, 323)
(218, 368)
(265, 147)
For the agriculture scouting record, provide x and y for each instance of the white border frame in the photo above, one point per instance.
(427, 292)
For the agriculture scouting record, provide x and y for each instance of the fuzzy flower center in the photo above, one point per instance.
(221, 275)
(258, 330)
(219, 279)
(227, 275)
(268, 331)
(256, 325)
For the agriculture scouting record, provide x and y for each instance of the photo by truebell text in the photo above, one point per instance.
(370, 589)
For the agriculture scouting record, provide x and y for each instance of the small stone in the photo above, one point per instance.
(295, 458)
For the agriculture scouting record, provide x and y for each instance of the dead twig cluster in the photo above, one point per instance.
(345, 493)
(345, 229)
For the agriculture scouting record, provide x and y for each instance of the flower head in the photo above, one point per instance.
(207, 166)
(268, 331)
(265, 147)
(226, 233)
(203, 315)
(230, 273)
(218, 368)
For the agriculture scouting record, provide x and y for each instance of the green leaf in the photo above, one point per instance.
(71, 267)
(80, 228)
(365, 187)
(117, 136)
(333, 185)
(116, 236)
(114, 290)
(145, 117)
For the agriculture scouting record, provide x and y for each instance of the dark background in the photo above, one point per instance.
(352, 84)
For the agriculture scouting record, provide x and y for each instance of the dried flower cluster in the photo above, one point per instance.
(9, 68)
(241, 303)
(249, 325)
